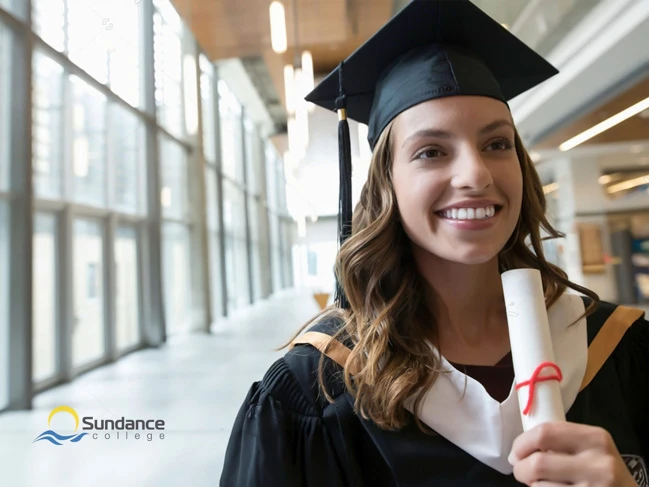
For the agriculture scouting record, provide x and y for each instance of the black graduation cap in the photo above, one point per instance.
(431, 49)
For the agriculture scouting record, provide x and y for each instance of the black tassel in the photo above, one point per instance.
(345, 195)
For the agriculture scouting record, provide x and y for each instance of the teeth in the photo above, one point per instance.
(469, 213)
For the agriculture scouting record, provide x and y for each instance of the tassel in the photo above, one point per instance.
(345, 194)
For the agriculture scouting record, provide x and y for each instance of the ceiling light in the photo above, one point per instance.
(289, 88)
(535, 156)
(607, 178)
(550, 188)
(631, 183)
(307, 67)
(278, 27)
(605, 125)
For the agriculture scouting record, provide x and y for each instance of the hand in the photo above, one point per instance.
(562, 453)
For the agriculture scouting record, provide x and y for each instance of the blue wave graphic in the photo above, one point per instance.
(54, 438)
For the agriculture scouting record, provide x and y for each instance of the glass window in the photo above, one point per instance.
(175, 180)
(207, 106)
(4, 305)
(123, 50)
(88, 324)
(177, 278)
(88, 144)
(167, 43)
(234, 216)
(230, 123)
(47, 120)
(48, 18)
(45, 309)
(5, 106)
(127, 293)
(236, 272)
(127, 156)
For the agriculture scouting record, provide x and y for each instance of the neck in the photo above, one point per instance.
(468, 305)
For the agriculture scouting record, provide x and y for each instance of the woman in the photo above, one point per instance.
(408, 381)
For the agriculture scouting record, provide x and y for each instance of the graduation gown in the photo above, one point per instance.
(287, 434)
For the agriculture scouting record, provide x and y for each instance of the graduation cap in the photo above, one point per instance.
(430, 49)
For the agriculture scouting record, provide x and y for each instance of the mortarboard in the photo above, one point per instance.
(430, 49)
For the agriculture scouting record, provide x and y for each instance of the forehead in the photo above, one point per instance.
(452, 114)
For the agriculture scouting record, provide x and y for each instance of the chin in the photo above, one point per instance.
(468, 256)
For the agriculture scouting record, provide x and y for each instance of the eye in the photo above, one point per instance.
(429, 154)
(500, 145)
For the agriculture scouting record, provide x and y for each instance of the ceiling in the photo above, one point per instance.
(333, 29)
(634, 129)
(330, 29)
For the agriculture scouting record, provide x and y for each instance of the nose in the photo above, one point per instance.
(471, 171)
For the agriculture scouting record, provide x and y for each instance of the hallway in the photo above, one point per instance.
(195, 383)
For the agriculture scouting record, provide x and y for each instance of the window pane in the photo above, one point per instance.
(123, 53)
(234, 216)
(45, 309)
(177, 278)
(48, 17)
(127, 279)
(89, 144)
(230, 123)
(207, 106)
(127, 154)
(168, 67)
(4, 305)
(47, 113)
(175, 191)
(5, 106)
(88, 325)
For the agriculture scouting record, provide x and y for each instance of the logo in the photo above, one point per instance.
(104, 429)
(55, 438)
(637, 467)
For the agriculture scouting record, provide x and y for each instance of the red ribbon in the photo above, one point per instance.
(536, 378)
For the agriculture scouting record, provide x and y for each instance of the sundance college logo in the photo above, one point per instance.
(102, 429)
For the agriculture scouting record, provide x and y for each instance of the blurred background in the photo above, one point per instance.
(168, 205)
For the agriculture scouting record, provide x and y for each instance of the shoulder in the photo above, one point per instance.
(631, 320)
(293, 380)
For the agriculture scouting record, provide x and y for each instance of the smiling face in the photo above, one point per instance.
(456, 177)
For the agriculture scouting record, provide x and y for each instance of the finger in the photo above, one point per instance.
(563, 437)
(547, 466)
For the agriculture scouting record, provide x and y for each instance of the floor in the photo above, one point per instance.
(195, 383)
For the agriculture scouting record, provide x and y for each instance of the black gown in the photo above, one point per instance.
(287, 434)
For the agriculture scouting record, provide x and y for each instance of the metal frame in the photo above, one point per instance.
(21, 221)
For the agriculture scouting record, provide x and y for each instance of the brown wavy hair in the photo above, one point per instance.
(390, 322)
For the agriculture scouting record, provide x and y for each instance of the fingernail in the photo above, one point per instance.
(511, 458)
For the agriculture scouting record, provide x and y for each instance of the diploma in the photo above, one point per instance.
(537, 375)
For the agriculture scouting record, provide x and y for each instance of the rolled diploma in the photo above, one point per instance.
(531, 345)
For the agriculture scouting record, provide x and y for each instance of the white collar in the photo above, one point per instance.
(460, 409)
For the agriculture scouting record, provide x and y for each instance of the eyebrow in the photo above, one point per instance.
(442, 134)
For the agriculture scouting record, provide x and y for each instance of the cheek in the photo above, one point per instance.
(416, 193)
